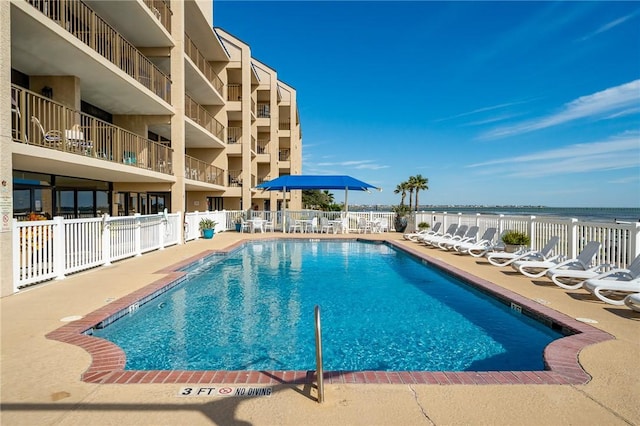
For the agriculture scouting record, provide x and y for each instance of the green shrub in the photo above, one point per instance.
(207, 224)
(516, 238)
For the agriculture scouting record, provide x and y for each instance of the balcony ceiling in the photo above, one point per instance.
(41, 47)
(197, 137)
(199, 89)
(134, 20)
(202, 33)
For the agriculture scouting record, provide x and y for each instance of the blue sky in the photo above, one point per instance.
(496, 103)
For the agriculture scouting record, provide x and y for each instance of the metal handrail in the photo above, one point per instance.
(319, 369)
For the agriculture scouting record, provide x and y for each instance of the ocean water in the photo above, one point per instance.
(594, 214)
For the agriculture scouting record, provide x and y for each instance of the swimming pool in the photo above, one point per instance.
(383, 310)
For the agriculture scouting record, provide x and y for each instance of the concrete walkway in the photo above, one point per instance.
(41, 378)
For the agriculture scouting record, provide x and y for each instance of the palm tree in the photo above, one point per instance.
(420, 183)
(401, 189)
(412, 185)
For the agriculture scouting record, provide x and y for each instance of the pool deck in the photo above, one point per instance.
(41, 378)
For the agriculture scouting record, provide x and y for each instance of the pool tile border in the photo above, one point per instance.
(562, 366)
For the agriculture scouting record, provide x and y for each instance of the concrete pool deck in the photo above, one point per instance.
(41, 378)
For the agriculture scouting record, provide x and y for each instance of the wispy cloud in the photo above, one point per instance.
(481, 110)
(620, 152)
(356, 164)
(608, 26)
(607, 102)
(625, 180)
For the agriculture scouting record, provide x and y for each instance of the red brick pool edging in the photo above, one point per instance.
(108, 360)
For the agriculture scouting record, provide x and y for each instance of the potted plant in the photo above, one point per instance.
(514, 240)
(400, 221)
(423, 226)
(207, 226)
(238, 222)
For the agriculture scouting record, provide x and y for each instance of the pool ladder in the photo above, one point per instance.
(319, 369)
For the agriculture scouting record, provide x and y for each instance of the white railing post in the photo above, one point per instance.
(15, 249)
(572, 237)
(164, 222)
(106, 240)
(634, 241)
(532, 232)
(500, 224)
(137, 235)
(180, 231)
(59, 247)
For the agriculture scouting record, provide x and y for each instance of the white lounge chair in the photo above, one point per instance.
(480, 247)
(470, 235)
(449, 231)
(537, 268)
(633, 301)
(603, 288)
(619, 281)
(459, 233)
(504, 258)
(413, 236)
(574, 279)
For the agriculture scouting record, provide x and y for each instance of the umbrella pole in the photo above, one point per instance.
(284, 209)
(346, 207)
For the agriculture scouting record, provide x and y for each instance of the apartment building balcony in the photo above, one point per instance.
(201, 175)
(201, 79)
(67, 38)
(235, 178)
(262, 149)
(284, 158)
(284, 128)
(52, 138)
(202, 130)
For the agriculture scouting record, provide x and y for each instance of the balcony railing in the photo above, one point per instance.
(234, 134)
(235, 178)
(284, 125)
(234, 92)
(262, 146)
(161, 10)
(86, 25)
(195, 169)
(284, 154)
(38, 121)
(202, 64)
(264, 110)
(200, 115)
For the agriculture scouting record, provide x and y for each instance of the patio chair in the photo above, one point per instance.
(427, 238)
(504, 258)
(414, 236)
(470, 236)
(52, 137)
(574, 279)
(537, 268)
(325, 226)
(611, 290)
(364, 225)
(477, 248)
(633, 301)
(459, 233)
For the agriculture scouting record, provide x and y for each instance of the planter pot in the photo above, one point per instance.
(207, 233)
(238, 227)
(512, 248)
(400, 223)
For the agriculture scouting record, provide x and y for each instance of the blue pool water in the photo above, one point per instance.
(382, 310)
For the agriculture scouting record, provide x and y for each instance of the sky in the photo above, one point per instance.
(496, 103)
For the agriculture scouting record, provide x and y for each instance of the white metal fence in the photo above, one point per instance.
(50, 249)
(620, 242)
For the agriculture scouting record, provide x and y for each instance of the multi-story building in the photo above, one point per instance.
(134, 106)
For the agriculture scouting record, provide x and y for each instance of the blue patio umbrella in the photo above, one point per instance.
(290, 182)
